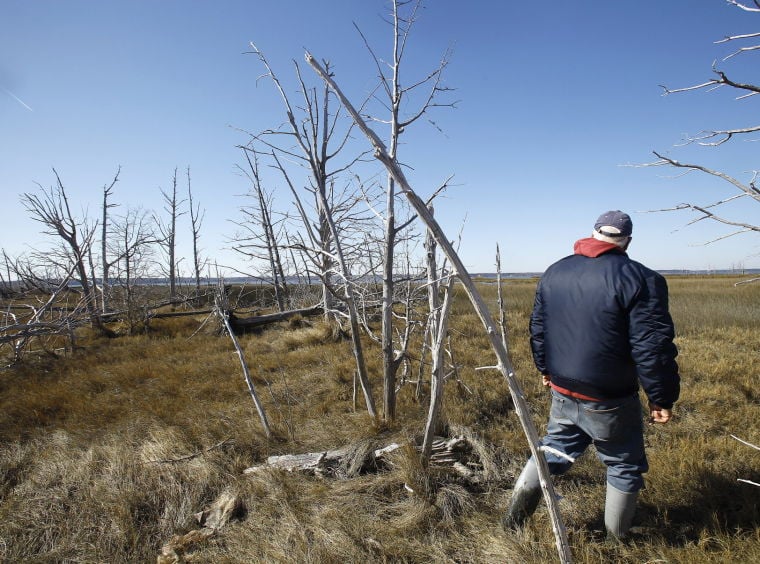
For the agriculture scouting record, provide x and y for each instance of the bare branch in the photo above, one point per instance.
(744, 7)
(723, 135)
(748, 190)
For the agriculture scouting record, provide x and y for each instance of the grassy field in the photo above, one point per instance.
(95, 448)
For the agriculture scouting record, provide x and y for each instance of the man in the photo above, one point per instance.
(600, 326)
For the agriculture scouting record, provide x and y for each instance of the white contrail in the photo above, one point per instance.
(19, 100)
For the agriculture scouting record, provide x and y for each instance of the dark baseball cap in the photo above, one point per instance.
(614, 223)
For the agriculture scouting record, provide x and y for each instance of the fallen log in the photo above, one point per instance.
(319, 463)
(167, 314)
(241, 324)
(455, 453)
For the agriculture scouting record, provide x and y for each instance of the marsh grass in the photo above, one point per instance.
(103, 452)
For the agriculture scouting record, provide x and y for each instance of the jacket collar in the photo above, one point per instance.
(590, 247)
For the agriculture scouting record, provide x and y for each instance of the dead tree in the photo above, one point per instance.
(51, 208)
(349, 290)
(168, 229)
(258, 239)
(316, 149)
(132, 249)
(403, 19)
(106, 264)
(718, 210)
(504, 363)
(32, 274)
(196, 221)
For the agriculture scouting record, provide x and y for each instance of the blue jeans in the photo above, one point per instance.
(614, 426)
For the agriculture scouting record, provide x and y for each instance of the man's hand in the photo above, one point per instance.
(546, 380)
(659, 414)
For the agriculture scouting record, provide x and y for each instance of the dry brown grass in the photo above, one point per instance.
(92, 449)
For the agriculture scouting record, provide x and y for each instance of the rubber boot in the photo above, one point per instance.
(525, 498)
(619, 508)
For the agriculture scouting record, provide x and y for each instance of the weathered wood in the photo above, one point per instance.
(438, 330)
(211, 520)
(168, 314)
(456, 453)
(225, 318)
(242, 323)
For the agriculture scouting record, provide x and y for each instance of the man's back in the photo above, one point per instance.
(601, 321)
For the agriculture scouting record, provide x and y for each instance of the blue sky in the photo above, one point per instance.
(553, 99)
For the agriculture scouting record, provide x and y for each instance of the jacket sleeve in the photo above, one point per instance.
(651, 335)
(537, 332)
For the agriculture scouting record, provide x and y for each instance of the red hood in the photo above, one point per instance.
(590, 247)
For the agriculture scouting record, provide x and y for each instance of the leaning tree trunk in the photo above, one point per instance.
(504, 362)
(222, 310)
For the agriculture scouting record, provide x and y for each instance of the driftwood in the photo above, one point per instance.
(455, 453)
(211, 520)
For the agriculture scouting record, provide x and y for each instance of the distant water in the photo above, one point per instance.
(206, 282)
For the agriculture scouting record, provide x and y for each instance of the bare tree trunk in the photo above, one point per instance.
(93, 277)
(396, 94)
(169, 232)
(326, 262)
(106, 265)
(172, 243)
(222, 309)
(390, 364)
(504, 362)
(440, 326)
(196, 220)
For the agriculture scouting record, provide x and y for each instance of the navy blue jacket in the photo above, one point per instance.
(600, 325)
